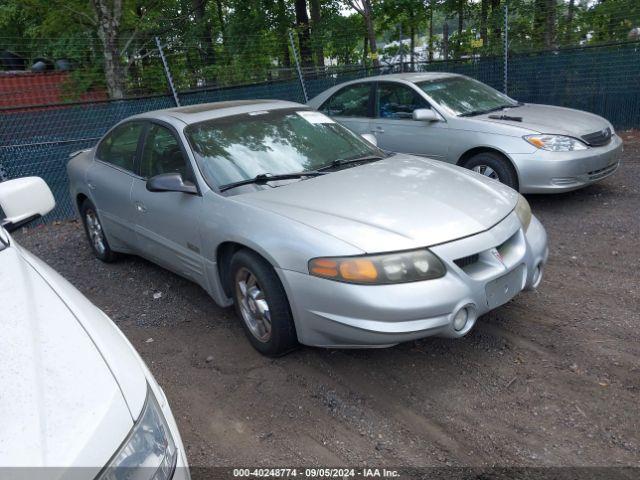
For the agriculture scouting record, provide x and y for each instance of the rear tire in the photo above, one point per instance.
(95, 233)
(494, 166)
(261, 304)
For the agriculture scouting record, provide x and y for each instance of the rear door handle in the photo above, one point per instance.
(91, 186)
(378, 130)
(141, 207)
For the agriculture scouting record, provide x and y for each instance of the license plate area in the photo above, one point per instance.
(504, 288)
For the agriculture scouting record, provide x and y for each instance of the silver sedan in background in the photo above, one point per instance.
(531, 148)
(314, 234)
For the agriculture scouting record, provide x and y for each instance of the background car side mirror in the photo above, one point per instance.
(170, 182)
(425, 115)
(370, 138)
(24, 200)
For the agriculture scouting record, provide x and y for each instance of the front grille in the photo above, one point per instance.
(599, 138)
(602, 172)
(466, 261)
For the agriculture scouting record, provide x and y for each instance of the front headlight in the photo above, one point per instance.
(555, 143)
(382, 269)
(523, 210)
(149, 452)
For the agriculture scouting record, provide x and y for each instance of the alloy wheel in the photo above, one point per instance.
(487, 171)
(253, 305)
(96, 235)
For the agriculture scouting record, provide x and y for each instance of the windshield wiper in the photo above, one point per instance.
(473, 113)
(347, 161)
(267, 177)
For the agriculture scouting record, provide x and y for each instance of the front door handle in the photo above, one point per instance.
(378, 130)
(141, 207)
(91, 186)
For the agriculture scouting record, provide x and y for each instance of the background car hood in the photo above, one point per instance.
(397, 203)
(60, 404)
(550, 119)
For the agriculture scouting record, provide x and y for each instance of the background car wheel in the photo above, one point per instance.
(495, 166)
(262, 305)
(95, 233)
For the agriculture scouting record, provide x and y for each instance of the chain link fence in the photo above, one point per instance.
(55, 97)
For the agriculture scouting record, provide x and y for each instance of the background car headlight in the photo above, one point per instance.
(523, 210)
(399, 267)
(555, 143)
(149, 452)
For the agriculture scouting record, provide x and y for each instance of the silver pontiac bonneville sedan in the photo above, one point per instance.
(315, 235)
(531, 148)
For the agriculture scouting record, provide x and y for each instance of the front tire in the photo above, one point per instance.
(494, 166)
(95, 233)
(261, 303)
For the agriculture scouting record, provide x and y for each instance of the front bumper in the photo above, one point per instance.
(555, 172)
(335, 314)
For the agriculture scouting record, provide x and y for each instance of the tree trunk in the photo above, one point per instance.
(550, 24)
(484, 14)
(365, 50)
(316, 17)
(430, 47)
(204, 28)
(371, 32)
(445, 41)
(283, 26)
(568, 36)
(460, 27)
(108, 16)
(498, 17)
(412, 42)
(304, 37)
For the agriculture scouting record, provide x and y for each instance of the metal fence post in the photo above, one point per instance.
(506, 47)
(167, 72)
(297, 60)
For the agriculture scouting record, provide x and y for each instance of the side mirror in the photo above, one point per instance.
(170, 182)
(425, 115)
(370, 138)
(24, 200)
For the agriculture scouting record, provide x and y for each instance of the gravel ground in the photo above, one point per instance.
(552, 378)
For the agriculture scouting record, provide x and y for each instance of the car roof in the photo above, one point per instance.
(207, 111)
(412, 77)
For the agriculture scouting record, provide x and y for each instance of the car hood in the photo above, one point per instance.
(550, 119)
(60, 403)
(401, 202)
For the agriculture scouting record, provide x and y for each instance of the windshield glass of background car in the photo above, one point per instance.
(463, 95)
(239, 147)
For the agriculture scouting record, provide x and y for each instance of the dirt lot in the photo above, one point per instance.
(553, 378)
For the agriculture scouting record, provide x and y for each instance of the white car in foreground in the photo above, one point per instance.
(74, 391)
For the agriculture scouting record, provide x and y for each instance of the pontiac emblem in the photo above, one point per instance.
(497, 255)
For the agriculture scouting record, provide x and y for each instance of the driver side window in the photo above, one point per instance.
(351, 101)
(162, 154)
(398, 101)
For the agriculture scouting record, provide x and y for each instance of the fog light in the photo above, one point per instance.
(460, 320)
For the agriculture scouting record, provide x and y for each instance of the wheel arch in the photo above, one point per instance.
(224, 254)
(80, 199)
(486, 149)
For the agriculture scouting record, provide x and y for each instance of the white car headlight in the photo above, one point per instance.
(149, 451)
(523, 210)
(555, 143)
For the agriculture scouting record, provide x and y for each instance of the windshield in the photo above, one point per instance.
(464, 96)
(240, 147)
